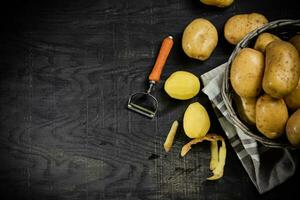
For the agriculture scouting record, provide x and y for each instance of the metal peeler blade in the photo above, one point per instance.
(143, 102)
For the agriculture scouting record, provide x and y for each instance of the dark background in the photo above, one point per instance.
(67, 69)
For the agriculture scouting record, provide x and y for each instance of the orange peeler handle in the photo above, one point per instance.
(161, 59)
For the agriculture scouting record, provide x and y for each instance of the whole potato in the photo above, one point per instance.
(271, 116)
(263, 40)
(246, 72)
(292, 100)
(196, 122)
(182, 85)
(218, 3)
(282, 69)
(246, 108)
(238, 26)
(293, 128)
(296, 42)
(199, 39)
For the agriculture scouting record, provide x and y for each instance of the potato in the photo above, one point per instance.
(196, 122)
(238, 26)
(293, 128)
(246, 72)
(199, 39)
(271, 116)
(263, 40)
(292, 100)
(218, 3)
(282, 69)
(296, 42)
(170, 137)
(182, 85)
(246, 108)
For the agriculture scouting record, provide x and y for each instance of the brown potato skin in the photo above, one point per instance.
(199, 39)
(282, 69)
(263, 40)
(246, 109)
(246, 72)
(293, 128)
(271, 116)
(218, 3)
(296, 42)
(292, 100)
(238, 26)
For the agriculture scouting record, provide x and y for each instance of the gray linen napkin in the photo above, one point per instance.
(266, 167)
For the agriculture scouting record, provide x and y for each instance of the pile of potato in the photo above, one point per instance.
(266, 80)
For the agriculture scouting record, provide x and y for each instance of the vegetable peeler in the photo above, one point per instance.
(144, 102)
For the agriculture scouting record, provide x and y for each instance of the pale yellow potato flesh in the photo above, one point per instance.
(182, 85)
(218, 157)
(196, 122)
(218, 172)
(214, 155)
(171, 135)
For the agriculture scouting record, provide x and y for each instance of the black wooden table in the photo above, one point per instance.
(67, 69)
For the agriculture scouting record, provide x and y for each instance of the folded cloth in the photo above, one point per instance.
(266, 167)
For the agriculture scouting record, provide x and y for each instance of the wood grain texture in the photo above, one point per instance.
(67, 70)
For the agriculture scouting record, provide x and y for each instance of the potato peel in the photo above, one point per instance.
(219, 170)
(218, 155)
(214, 155)
(187, 147)
(171, 135)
